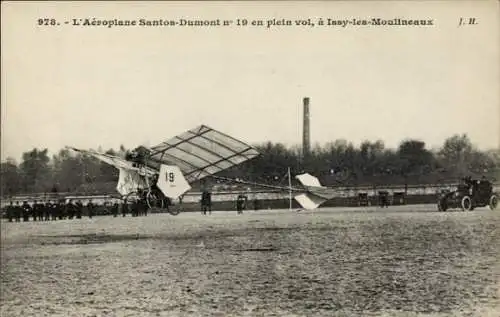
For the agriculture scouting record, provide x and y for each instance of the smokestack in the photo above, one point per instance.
(306, 137)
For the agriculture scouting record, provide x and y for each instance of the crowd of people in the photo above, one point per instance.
(60, 209)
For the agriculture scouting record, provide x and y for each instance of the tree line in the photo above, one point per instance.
(334, 163)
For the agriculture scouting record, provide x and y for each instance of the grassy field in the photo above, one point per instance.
(400, 261)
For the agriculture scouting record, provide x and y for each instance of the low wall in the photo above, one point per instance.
(285, 203)
(344, 196)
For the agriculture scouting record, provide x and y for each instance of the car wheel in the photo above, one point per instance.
(466, 203)
(493, 202)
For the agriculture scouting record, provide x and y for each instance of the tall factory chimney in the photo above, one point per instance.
(306, 135)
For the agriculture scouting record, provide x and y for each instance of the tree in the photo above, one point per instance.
(415, 158)
(371, 154)
(10, 179)
(35, 171)
(67, 170)
(456, 152)
(459, 156)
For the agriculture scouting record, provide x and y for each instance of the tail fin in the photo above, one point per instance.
(308, 180)
(309, 201)
(171, 181)
(316, 193)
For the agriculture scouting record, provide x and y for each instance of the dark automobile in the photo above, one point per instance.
(469, 195)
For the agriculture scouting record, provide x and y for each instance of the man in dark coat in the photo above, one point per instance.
(61, 210)
(10, 211)
(90, 209)
(26, 209)
(54, 210)
(125, 207)
(37, 210)
(47, 210)
(115, 209)
(17, 212)
(34, 210)
(241, 203)
(70, 209)
(206, 202)
(134, 208)
(79, 209)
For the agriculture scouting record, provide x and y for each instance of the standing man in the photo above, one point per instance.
(34, 210)
(47, 210)
(167, 202)
(115, 209)
(26, 209)
(61, 209)
(70, 209)
(17, 212)
(10, 211)
(124, 208)
(54, 210)
(206, 202)
(79, 209)
(90, 208)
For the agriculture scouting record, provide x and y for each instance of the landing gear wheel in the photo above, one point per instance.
(175, 210)
(493, 202)
(466, 203)
(153, 201)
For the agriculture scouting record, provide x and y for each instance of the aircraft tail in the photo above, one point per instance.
(316, 193)
(308, 180)
(309, 201)
(171, 181)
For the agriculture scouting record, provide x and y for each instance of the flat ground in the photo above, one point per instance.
(400, 261)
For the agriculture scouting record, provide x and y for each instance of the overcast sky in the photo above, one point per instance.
(97, 86)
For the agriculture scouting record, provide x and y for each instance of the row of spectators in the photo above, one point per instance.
(60, 209)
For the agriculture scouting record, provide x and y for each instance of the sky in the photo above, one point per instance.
(91, 86)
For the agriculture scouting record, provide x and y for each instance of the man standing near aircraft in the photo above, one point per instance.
(90, 209)
(10, 211)
(115, 209)
(17, 212)
(47, 210)
(206, 202)
(70, 209)
(26, 209)
(61, 210)
(124, 208)
(35, 210)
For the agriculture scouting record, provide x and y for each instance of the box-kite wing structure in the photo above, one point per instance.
(201, 152)
(180, 161)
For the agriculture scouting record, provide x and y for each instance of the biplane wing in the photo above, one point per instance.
(201, 152)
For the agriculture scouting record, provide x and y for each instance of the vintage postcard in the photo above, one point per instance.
(250, 158)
